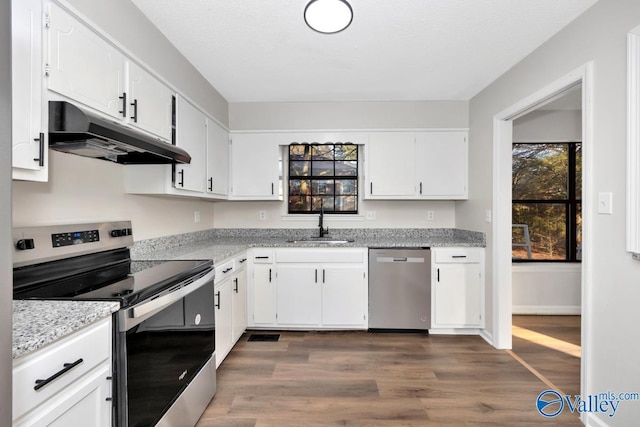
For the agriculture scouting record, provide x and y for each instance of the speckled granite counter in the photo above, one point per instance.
(38, 323)
(220, 244)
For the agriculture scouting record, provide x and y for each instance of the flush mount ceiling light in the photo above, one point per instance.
(328, 16)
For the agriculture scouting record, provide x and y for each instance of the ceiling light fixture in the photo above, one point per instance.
(328, 16)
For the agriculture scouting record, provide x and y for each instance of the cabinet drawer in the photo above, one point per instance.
(262, 256)
(323, 255)
(240, 261)
(457, 255)
(223, 271)
(91, 346)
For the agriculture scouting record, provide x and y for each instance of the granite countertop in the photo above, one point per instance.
(38, 323)
(221, 244)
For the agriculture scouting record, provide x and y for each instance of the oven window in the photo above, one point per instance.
(165, 352)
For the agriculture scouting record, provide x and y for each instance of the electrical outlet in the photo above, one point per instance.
(196, 216)
(371, 215)
(430, 215)
(262, 215)
(487, 215)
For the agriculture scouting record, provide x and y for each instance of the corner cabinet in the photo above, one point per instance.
(457, 287)
(256, 167)
(29, 111)
(427, 165)
(80, 395)
(217, 160)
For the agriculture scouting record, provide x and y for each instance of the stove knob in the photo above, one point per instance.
(25, 244)
(116, 233)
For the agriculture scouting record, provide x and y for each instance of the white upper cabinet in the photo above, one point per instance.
(83, 66)
(390, 165)
(217, 160)
(29, 118)
(442, 167)
(255, 167)
(149, 103)
(427, 165)
(191, 134)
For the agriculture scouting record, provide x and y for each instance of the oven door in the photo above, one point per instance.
(163, 344)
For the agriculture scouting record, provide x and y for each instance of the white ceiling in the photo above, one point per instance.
(394, 50)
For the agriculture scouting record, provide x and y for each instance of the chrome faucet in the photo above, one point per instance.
(323, 230)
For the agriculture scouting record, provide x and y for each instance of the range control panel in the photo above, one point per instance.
(33, 245)
(74, 238)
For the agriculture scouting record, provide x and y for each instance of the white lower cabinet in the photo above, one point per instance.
(457, 288)
(230, 299)
(313, 288)
(81, 395)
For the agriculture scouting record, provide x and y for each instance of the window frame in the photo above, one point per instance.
(572, 204)
(355, 178)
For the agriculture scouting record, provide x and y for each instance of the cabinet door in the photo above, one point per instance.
(223, 316)
(442, 159)
(28, 129)
(217, 160)
(299, 294)
(239, 297)
(390, 165)
(83, 66)
(149, 103)
(344, 296)
(191, 135)
(264, 296)
(457, 299)
(255, 167)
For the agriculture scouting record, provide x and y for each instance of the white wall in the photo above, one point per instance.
(546, 288)
(344, 116)
(548, 126)
(611, 303)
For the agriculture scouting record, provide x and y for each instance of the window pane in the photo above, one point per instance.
(322, 186)
(322, 168)
(299, 168)
(299, 203)
(300, 152)
(579, 232)
(346, 152)
(348, 168)
(346, 203)
(300, 187)
(546, 223)
(327, 203)
(346, 187)
(579, 171)
(540, 171)
(322, 152)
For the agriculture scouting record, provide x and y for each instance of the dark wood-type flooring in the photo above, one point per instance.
(366, 379)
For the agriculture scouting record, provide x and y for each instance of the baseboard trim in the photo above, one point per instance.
(487, 336)
(558, 310)
(590, 420)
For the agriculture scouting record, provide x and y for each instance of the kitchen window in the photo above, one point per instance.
(323, 175)
(547, 201)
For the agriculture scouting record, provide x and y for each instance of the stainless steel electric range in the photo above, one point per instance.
(164, 332)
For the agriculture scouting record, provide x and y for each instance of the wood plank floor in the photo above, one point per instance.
(366, 379)
(551, 345)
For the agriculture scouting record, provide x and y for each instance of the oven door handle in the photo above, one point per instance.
(137, 314)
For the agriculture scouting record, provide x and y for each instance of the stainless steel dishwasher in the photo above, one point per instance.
(400, 289)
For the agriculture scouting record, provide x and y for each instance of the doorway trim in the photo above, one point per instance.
(501, 228)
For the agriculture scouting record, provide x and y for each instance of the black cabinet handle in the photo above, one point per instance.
(134, 104)
(124, 104)
(181, 173)
(211, 184)
(226, 270)
(371, 188)
(262, 257)
(316, 279)
(323, 275)
(236, 282)
(218, 304)
(269, 275)
(40, 158)
(242, 261)
(458, 256)
(272, 189)
(66, 368)
(438, 274)
(421, 188)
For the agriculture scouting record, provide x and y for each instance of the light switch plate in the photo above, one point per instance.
(605, 203)
(487, 215)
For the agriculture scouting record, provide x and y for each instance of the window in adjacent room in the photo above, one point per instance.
(547, 201)
(323, 174)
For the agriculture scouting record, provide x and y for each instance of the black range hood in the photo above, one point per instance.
(77, 131)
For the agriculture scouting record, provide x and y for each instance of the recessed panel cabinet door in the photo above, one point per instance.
(85, 67)
(191, 134)
(442, 165)
(29, 151)
(391, 165)
(458, 295)
(264, 295)
(239, 297)
(149, 103)
(344, 296)
(255, 167)
(217, 160)
(299, 294)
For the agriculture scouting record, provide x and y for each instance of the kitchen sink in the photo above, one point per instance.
(321, 240)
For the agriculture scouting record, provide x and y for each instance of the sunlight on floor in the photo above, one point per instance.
(547, 341)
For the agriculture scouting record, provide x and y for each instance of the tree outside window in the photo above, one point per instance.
(547, 193)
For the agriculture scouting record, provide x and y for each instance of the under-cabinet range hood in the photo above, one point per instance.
(77, 131)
